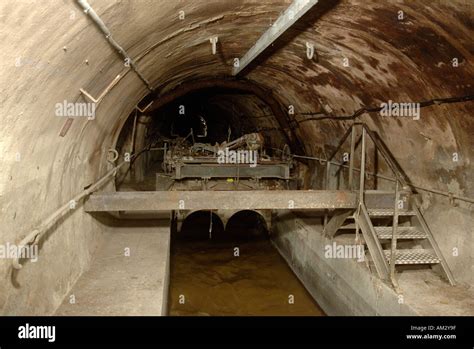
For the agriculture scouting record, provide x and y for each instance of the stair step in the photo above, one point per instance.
(402, 233)
(389, 212)
(386, 232)
(413, 256)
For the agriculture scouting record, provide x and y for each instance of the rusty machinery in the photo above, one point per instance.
(240, 164)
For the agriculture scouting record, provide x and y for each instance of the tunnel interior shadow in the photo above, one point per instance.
(242, 226)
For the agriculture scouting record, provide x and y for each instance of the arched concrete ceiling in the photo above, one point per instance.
(51, 49)
(406, 60)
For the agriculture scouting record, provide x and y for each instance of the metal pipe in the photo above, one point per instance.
(108, 35)
(34, 236)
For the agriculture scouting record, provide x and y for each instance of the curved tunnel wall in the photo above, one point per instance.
(51, 50)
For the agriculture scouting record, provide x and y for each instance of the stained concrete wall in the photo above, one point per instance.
(340, 286)
(453, 229)
(346, 286)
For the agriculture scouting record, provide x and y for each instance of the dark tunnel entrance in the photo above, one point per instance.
(207, 116)
(221, 262)
(210, 115)
(247, 225)
(202, 225)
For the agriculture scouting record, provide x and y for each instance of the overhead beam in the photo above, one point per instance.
(220, 200)
(289, 17)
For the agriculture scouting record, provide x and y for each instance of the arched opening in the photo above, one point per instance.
(246, 225)
(201, 225)
(227, 272)
(195, 118)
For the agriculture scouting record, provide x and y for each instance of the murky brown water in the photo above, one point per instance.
(214, 282)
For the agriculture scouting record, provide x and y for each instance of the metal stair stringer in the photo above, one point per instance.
(379, 212)
(373, 244)
(434, 244)
(336, 221)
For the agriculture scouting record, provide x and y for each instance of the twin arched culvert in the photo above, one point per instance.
(222, 224)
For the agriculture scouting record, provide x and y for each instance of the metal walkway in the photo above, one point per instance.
(384, 222)
(384, 217)
(221, 200)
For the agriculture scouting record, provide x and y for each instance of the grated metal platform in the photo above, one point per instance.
(389, 212)
(413, 256)
(402, 233)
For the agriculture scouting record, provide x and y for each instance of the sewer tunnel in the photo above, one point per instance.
(352, 128)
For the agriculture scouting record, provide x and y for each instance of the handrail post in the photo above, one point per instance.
(328, 170)
(362, 174)
(394, 236)
(362, 168)
(351, 159)
(380, 146)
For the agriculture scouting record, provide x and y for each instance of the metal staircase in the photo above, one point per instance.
(392, 225)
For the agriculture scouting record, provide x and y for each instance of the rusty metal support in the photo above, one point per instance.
(103, 93)
(351, 159)
(139, 145)
(362, 169)
(223, 200)
(373, 243)
(394, 236)
(289, 17)
(326, 187)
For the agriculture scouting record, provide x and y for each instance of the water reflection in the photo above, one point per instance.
(237, 272)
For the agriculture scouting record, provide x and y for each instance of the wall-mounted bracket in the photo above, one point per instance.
(144, 109)
(103, 94)
(214, 41)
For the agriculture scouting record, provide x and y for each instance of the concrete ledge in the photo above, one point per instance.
(340, 286)
(117, 284)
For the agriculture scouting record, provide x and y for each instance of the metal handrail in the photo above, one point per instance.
(34, 236)
(380, 146)
(343, 140)
(429, 190)
(391, 162)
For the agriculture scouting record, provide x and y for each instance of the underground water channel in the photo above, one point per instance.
(215, 269)
(232, 271)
